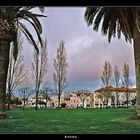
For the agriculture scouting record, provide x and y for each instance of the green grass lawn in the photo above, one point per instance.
(76, 121)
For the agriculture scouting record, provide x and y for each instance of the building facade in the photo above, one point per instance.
(100, 98)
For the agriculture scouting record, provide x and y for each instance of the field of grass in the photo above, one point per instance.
(70, 121)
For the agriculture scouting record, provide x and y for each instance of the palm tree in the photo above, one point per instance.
(117, 20)
(10, 21)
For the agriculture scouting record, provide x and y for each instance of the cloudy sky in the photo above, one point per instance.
(86, 49)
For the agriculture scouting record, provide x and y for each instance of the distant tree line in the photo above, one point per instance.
(112, 77)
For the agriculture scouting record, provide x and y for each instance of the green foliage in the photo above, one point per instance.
(133, 101)
(16, 102)
(41, 102)
(63, 105)
(127, 102)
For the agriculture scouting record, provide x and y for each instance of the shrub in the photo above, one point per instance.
(63, 105)
(16, 102)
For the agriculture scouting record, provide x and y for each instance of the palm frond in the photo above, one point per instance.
(35, 20)
(36, 29)
(26, 14)
(124, 24)
(28, 36)
(106, 22)
(118, 29)
(42, 9)
(90, 14)
(98, 18)
(114, 20)
(136, 15)
(15, 43)
(27, 8)
(112, 30)
(39, 15)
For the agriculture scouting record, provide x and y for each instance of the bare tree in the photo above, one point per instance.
(25, 93)
(45, 92)
(83, 95)
(126, 81)
(16, 71)
(100, 97)
(60, 67)
(117, 82)
(39, 68)
(107, 80)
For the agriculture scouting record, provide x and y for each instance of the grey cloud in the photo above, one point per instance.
(86, 49)
(88, 60)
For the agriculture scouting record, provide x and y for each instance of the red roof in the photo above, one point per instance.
(39, 97)
(67, 99)
(120, 89)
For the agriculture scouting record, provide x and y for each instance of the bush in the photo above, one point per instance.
(133, 101)
(41, 103)
(16, 102)
(63, 105)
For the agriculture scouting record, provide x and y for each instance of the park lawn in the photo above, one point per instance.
(70, 121)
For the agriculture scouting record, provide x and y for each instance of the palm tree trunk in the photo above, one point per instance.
(4, 61)
(137, 66)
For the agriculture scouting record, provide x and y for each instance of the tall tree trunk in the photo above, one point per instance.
(117, 96)
(46, 103)
(83, 103)
(37, 82)
(4, 61)
(91, 100)
(137, 69)
(23, 104)
(59, 94)
(36, 104)
(127, 98)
